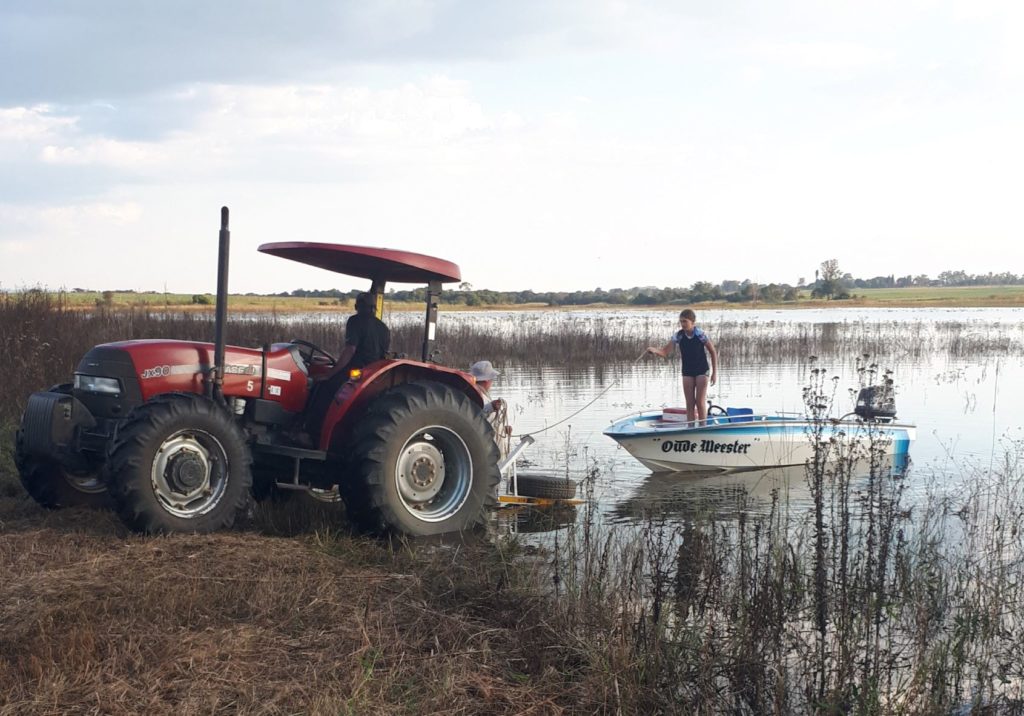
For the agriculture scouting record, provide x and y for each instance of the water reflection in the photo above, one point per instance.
(531, 520)
(718, 496)
(712, 496)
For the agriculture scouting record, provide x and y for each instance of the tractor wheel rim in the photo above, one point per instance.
(89, 484)
(190, 473)
(434, 474)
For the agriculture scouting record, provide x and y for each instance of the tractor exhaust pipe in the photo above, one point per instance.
(433, 299)
(216, 385)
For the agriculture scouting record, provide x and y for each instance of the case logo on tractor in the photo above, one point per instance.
(162, 371)
(242, 369)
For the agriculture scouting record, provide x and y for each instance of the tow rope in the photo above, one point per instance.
(577, 412)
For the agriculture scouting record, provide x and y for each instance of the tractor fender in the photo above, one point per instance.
(352, 398)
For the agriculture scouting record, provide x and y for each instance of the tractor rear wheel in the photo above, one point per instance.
(53, 486)
(179, 463)
(422, 461)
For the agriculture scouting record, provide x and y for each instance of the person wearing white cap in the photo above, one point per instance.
(485, 374)
(494, 410)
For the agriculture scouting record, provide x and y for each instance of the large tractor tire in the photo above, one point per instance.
(179, 463)
(422, 461)
(53, 486)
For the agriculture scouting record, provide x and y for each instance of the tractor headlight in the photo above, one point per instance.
(96, 384)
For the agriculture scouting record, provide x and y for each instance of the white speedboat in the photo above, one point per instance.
(739, 439)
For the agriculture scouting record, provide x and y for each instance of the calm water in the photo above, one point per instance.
(966, 410)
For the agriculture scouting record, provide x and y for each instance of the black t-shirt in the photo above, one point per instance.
(370, 337)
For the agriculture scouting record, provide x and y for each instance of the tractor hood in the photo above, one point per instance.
(378, 265)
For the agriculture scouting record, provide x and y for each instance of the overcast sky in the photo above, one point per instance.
(537, 144)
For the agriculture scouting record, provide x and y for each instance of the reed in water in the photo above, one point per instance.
(42, 338)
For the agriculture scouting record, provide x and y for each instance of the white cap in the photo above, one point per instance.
(483, 370)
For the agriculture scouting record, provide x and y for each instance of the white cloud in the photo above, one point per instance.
(32, 124)
(73, 217)
(128, 155)
(12, 247)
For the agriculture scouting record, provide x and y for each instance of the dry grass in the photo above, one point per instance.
(94, 620)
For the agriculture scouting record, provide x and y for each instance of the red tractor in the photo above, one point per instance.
(178, 435)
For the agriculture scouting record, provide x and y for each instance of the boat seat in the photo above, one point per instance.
(740, 415)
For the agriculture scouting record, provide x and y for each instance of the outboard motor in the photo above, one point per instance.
(876, 402)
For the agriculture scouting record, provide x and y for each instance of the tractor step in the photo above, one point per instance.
(290, 451)
(296, 455)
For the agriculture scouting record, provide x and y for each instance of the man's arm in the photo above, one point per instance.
(343, 360)
(349, 350)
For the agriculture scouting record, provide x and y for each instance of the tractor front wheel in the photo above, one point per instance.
(422, 461)
(179, 464)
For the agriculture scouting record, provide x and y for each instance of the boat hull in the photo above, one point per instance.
(755, 443)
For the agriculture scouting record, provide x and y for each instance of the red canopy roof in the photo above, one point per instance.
(386, 265)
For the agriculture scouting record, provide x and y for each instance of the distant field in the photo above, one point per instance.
(181, 300)
(951, 295)
(913, 296)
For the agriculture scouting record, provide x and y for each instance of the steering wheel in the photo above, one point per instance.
(715, 409)
(314, 351)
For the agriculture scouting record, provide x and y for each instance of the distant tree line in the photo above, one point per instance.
(830, 282)
(946, 278)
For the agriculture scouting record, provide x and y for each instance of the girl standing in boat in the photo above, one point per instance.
(694, 349)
